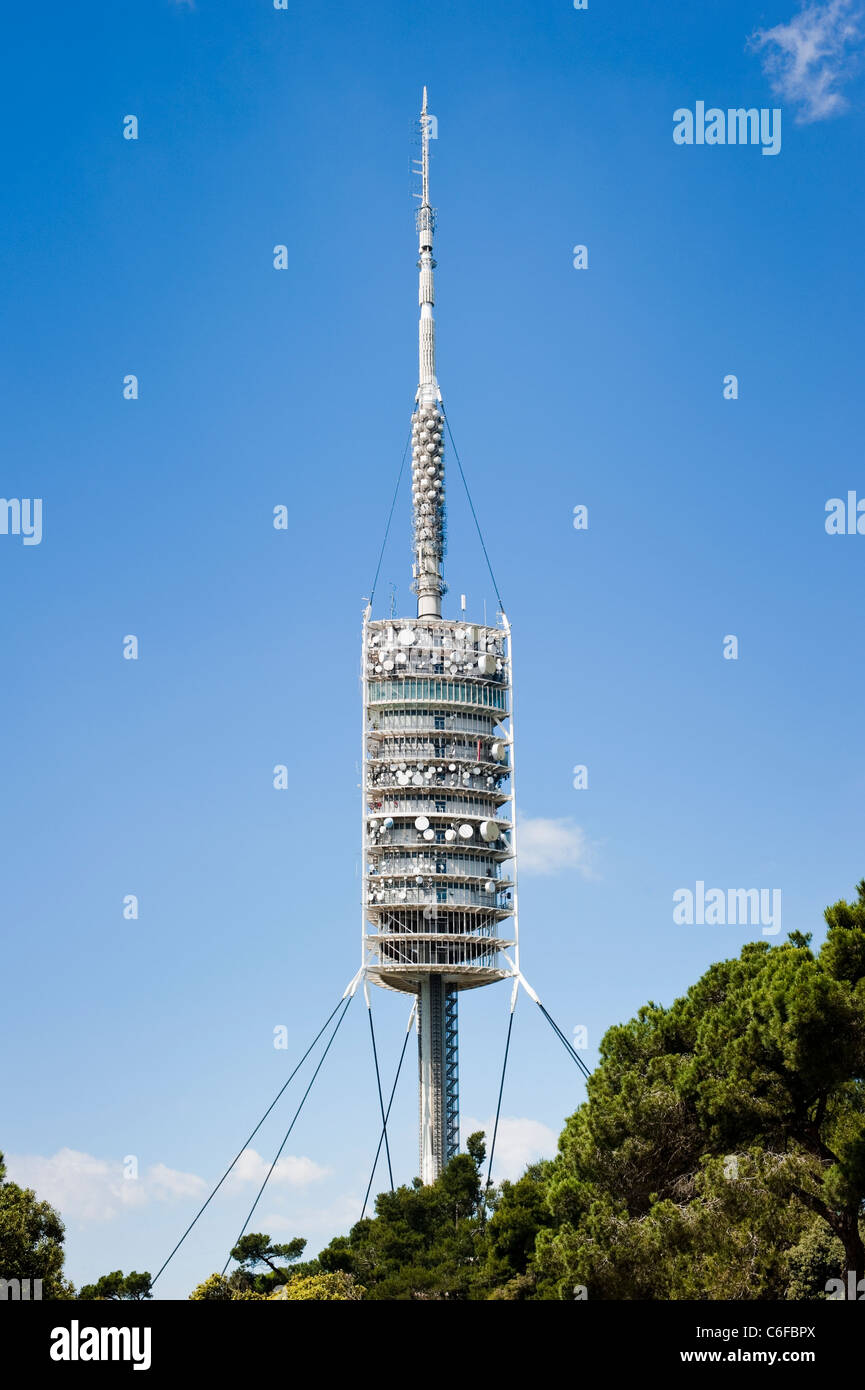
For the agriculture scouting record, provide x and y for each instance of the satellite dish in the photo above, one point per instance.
(450, 835)
(466, 831)
(490, 885)
(373, 823)
(487, 664)
(452, 767)
(489, 830)
(388, 825)
(422, 823)
(419, 880)
(406, 637)
(388, 663)
(429, 834)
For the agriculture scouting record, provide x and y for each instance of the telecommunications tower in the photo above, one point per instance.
(439, 840)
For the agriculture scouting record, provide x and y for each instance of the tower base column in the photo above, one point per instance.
(438, 1076)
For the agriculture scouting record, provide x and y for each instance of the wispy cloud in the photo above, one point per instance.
(290, 1171)
(85, 1188)
(549, 846)
(519, 1142)
(809, 58)
(336, 1217)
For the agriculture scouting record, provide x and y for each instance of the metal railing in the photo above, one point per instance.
(423, 858)
(437, 689)
(443, 896)
(388, 721)
(471, 807)
(451, 665)
(395, 748)
(388, 781)
(403, 951)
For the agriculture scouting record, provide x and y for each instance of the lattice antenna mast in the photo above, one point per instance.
(427, 423)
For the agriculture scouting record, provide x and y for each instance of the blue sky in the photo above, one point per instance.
(258, 387)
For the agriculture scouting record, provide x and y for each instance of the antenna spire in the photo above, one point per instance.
(428, 387)
(424, 131)
(427, 421)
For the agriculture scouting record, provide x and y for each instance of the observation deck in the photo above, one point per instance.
(437, 804)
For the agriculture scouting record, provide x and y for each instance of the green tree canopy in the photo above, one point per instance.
(337, 1286)
(255, 1249)
(119, 1287)
(719, 1131)
(424, 1242)
(31, 1239)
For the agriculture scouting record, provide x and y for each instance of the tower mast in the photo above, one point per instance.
(437, 1005)
(439, 904)
(429, 513)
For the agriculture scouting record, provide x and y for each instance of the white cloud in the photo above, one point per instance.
(808, 59)
(85, 1188)
(518, 1143)
(290, 1171)
(549, 846)
(166, 1183)
(316, 1222)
